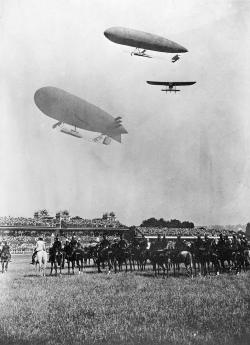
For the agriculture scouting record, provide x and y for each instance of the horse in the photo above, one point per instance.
(246, 254)
(104, 255)
(184, 256)
(41, 260)
(137, 254)
(88, 254)
(56, 259)
(204, 255)
(74, 256)
(160, 258)
(78, 257)
(120, 256)
(5, 257)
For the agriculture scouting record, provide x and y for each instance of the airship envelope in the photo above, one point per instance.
(72, 110)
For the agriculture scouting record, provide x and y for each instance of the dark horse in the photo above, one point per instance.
(160, 258)
(102, 256)
(74, 256)
(56, 260)
(5, 259)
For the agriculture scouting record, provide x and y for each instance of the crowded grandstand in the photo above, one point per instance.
(22, 233)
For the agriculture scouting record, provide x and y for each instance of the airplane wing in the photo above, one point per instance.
(171, 83)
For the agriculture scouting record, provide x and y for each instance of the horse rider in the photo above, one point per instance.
(143, 243)
(79, 245)
(135, 242)
(104, 242)
(122, 243)
(235, 244)
(198, 242)
(67, 247)
(221, 243)
(157, 244)
(207, 242)
(40, 245)
(57, 245)
(5, 248)
(227, 241)
(164, 242)
(179, 244)
(244, 241)
(73, 242)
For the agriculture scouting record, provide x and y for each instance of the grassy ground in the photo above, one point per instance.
(132, 308)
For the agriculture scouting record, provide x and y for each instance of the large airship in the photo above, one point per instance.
(142, 41)
(74, 111)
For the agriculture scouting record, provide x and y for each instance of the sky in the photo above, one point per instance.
(186, 155)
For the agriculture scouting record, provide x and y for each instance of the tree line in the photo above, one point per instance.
(162, 223)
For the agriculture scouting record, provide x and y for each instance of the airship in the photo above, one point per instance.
(74, 111)
(142, 41)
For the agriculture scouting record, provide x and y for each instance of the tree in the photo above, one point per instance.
(105, 216)
(44, 212)
(151, 222)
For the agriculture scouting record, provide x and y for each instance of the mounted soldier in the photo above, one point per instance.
(207, 242)
(122, 243)
(235, 243)
(198, 242)
(227, 242)
(158, 243)
(179, 244)
(40, 245)
(79, 245)
(164, 242)
(73, 242)
(5, 249)
(221, 243)
(56, 247)
(143, 242)
(66, 245)
(104, 242)
(5, 256)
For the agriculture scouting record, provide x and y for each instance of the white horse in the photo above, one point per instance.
(41, 260)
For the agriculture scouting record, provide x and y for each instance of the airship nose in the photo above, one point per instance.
(107, 33)
(181, 49)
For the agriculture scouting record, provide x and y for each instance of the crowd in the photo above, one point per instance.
(75, 222)
(147, 231)
(22, 221)
(26, 244)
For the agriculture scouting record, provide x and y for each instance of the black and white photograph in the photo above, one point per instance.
(125, 172)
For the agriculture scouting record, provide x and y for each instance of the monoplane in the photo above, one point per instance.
(71, 110)
(143, 41)
(175, 58)
(171, 85)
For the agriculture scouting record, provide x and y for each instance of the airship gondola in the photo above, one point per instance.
(143, 41)
(74, 111)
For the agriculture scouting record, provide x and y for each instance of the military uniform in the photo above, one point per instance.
(179, 244)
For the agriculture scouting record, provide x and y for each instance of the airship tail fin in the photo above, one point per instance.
(116, 137)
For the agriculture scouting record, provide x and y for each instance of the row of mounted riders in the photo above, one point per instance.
(204, 256)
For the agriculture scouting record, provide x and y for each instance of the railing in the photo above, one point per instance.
(21, 251)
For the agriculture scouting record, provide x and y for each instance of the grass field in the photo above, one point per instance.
(132, 308)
